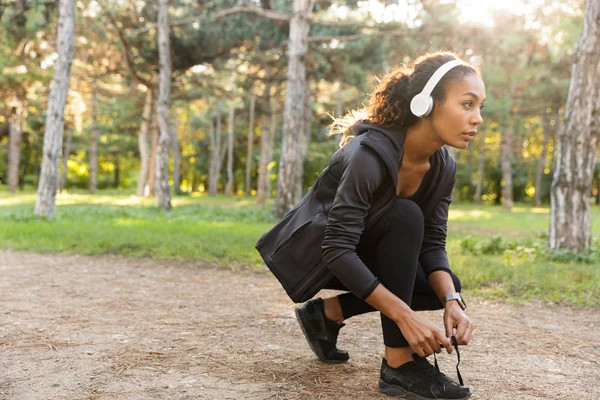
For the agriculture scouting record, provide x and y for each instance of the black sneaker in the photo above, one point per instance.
(320, 332)
(419, 380)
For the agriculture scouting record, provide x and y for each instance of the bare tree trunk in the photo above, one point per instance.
(553, 137)
(470, 162)
(340, 104)
(265, 149)
(215, 154)
(63, 176)
(506, 156)
(250, 143)
(151, 188)
(479, 185)
(117, 172)
(305, 139)
(294, 108)
(269, 189)
(94, 145)
(452, 152)
(598, 186)
(229, 184)
(176, 156)
(542, 160)
(14, 151)
(163, 192)
(144, 142)
(570, 221)
(65, 42)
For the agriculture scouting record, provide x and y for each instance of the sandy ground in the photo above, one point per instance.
(77, 327)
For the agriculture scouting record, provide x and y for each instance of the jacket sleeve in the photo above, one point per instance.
(363, 172)
(433, 255)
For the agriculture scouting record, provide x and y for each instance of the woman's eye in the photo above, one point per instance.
(468, 104)
(481, 106)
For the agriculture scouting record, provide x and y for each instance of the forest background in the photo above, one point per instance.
(229, 80)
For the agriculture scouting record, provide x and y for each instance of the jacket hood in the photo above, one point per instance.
(386, 141)
(395, 135)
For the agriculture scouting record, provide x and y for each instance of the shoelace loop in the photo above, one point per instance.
(455, 344)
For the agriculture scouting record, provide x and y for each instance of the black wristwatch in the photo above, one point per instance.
(456, 296)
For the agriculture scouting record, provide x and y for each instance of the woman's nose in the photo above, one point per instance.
(477, 119)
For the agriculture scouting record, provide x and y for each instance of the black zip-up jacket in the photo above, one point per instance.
(352, 193)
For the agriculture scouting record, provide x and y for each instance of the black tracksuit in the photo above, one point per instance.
(366, 234)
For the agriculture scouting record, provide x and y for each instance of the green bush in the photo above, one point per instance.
(530, 250)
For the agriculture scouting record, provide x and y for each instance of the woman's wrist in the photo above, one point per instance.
(450, 304)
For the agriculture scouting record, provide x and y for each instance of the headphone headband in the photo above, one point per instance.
(438, 75)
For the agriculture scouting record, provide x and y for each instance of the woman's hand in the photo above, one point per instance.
(422, 335)
(457, 323)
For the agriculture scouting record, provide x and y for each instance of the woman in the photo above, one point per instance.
(382, 205)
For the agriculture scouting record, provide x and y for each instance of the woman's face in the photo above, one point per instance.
(455, 120)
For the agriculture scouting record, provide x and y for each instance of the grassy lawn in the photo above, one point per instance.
(224, 230)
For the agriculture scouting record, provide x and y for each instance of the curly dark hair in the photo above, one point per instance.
(389, 103)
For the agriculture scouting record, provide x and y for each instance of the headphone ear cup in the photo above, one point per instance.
(421, 105)
(429, 106)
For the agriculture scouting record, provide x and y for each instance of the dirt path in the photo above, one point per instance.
(76, 327)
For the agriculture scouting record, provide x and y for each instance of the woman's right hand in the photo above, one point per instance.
(423, 336)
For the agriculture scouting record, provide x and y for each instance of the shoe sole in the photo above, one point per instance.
(397, 391)
(311, 341)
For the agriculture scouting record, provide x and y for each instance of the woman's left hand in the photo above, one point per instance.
(457, 323)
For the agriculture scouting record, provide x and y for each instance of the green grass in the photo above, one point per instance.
(224, 230)
(221, 230)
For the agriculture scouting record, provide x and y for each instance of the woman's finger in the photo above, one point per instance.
(427, 348)
(445, 342)
(461, 330)
(468, 333)
(448, 326)
(418, 349)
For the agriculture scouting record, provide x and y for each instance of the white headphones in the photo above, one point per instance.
(422, 104)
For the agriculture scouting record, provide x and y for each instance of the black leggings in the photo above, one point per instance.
(390, 249)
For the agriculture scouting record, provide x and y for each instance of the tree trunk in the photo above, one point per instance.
(250, 143)
(265, 149)
(117, 172)
(340, 103)
(215, 154)
(470, 161)
(151, 189)
(570, 222)
(506, 156)
(63, 176)
(14, 151)
(452, 152)
(94, 145)
(65, 42)
(539, 173)
(598, 186)
(229, 184)
(176, 156)
(269, 189)
(479, 185)
(144, 143)
(553, 138)
(163, 192)
(305, 139)
(294, 108)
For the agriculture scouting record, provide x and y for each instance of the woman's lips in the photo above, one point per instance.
(470, 135)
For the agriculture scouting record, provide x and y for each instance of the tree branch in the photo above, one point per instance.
(270, 14)
(128, 57)
(346, 38)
